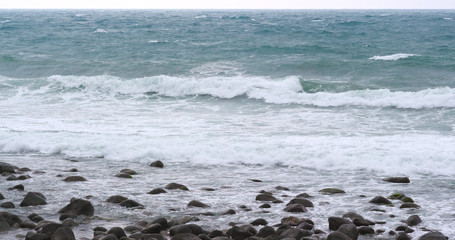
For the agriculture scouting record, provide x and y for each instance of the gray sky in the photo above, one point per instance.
(229, 4)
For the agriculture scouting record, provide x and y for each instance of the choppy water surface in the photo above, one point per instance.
(303, 99)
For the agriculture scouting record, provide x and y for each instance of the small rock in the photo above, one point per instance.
(128, 171)
(281, 188)
(35, 217)
(349, 230)
(186, 228)
(338, 236)
(33, 199)
(336, 222)
(259, 221)
(157, 191)
(162, 221)
(69, 223)
(7, 205)
(25, 169)
(265, 205)
(303, 195)
(27, 224)
(238, 233)
(403, 236)
(19, 187)
(229, 212)
(306, 226)
(63, 233)
(362, 222)
(208, 189)
(216, 233)
(185, 236)
(78, 207)
(410, 205)
(397, 196)
(196, 203)
(24, 177)
(4, 226)
(116, 199)
(36, 236)
(413, 220)
(74, 179)
(12, 178)
(123, 175)
(265, 198)
(117, 231)
(265, 232)
(2, 197)
(330, 191)
(433, 236)
(154, 228)
(255, 180)
(109, 237)
(397, 179)
(294, 233)
(72, 170)
(101, 229)
(295, 208)
(157, 164)
(174, 186)
(131, 204)
(380, 200)
(50, 228)
(302, 201)
(6, 168)
(363, 230)
(10, 218)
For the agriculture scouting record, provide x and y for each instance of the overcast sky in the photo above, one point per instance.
(228, 4)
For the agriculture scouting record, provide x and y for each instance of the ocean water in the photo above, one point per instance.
(303, 99)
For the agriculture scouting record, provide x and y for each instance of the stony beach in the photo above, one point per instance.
(80, 213)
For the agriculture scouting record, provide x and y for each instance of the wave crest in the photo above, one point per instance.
(393, 57)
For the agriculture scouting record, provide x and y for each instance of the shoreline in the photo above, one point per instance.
(265, 201)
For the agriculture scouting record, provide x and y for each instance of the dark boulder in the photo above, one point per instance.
(185, 236)
(433, 236)
(33, 199)
(365, 230)
(410, 205)
(229, 212)
(174, 186)
(380, 200)
(4, 226)
(63, 233)
(302, 201)
(162, 221)
(7, 205)
(131, 204)
(413, 220)
(294, 233)
(116, 199)
(330, 191)
(109, 237)
(338, 236)
(123, 175)
(186, 228)
(352, 215)
(6, 168)
(19, 187)
(117, 231)
(10, 218)
(128, 171)
(238, 233)
(397, 179)
(349, 230)
(50, 228)
(403, 236)
(265, 232)
(27, 224)
(336, 222)
(153, 228)
(157, 164)
(157, 191)
(281, 188)
(78, 207)
(35, 218)
(1, 196)
(265, 198)
(12, 178)
(37, 236)
(362, 222)
(295, 208)
(259, 221)
(196, 203)
(74, 179)
(216, 233)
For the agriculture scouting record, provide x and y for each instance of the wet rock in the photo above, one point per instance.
(238, 233)
(294, 233)
(117, 231)
(128, 171)
(182, 220)
(123, 175)
(24, 177)
(101, 229)
(27, 224)
(259, 221)
(186, 228)
(413, 220)
(63, 233)
(19, 187)
(36, 236)
(265, 198)
(349, 230)
(25, 169)
(74, 179)
(265, 205)
(365, 230)
(380, 200)
(35, 218)
(69, 223)
(157, 191)
(433, 236)
(78, 207)
(116, 199)
(397, 196)
(255, 180)
(281, 188)
(336, 222)
(1, 196)
(295, 208)
(6, 168)
(229, 212)
(10, 218)
(295, 221)
(131, 204)
(4, 226)
(174, 186)
(402, 229)
(302, 201)
(12, 178)
(157, 164)
(196, 203)
(185, 236)
(153, 236)
(303, 195)
(265, 232)
(362, 222)
(33, 199)
(216, 233)
(154, 228)
(410, 205)
(407, 200)
(338, 236)
(162, 221)
(397, 179)
(50, 228)
(305, 226)
(7, 205)
(403, 236)
(352, 216)
(330, 191)
(72, 170)
(109, 237)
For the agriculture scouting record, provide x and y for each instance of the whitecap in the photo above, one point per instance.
(100, 30)
(447, 18)
(201, 16)
(393, 57)
(5, 21)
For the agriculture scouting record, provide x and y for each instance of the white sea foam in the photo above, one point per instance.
(447, 18)
(5, 21)
(100, 30)
(201, 16)
(393, 57)
(157, 41)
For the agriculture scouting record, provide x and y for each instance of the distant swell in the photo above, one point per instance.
(393, 57)
(289, 90)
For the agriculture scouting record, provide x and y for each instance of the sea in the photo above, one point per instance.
(305, 99)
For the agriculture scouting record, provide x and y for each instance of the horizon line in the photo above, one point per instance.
(228, 9)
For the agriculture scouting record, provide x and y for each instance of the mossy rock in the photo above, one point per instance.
(407, 200)
(330, 191)
(398, 196)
